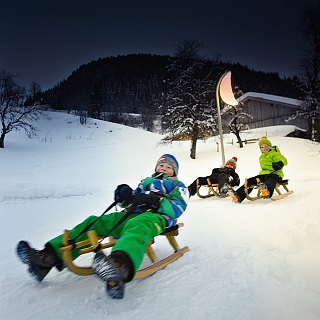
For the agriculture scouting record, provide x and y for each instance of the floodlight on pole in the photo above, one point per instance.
(224, 90)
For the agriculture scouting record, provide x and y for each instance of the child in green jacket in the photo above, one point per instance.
(155, 205)
(271, 162)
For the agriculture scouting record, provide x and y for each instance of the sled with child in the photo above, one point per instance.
(149, 211)
(211, 190)
(217, 183)
(281, 189)
(95, 243)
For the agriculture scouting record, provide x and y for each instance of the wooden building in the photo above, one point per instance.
(270, 110)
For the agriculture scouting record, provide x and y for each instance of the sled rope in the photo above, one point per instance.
(72, 241)
(128, 210)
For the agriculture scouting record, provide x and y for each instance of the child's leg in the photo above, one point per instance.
(241, 191)
(270, 181)
(136, 235)
(200, 181)
(222, 179)
(101, 226)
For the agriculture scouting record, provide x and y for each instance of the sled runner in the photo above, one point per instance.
(283, 184)
(212, 189)
(93, 244)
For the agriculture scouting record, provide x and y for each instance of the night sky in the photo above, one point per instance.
(45, 41)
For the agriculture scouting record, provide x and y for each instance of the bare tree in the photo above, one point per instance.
(239, 119)
(35, 91)
(239, 122)
(13, 114)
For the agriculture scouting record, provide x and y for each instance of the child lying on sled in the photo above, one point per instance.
(155, 204)
(225, 177)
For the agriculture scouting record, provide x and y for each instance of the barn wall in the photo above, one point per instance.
(268, 113)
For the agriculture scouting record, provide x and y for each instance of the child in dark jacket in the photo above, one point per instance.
(225, 177)
(155, 204)
(271, 162)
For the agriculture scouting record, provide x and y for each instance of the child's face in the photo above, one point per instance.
(165, 168)
(264, 148)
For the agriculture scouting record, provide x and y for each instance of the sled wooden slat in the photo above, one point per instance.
(93, 242)
(212, 190)
(160, 264)
(281, 196)
(66, 251)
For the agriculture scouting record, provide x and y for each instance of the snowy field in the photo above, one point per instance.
(252, 261)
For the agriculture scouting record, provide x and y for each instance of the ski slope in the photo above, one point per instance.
(254, 260)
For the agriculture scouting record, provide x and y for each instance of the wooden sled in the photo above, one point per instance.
(93, 242)
(283, 184)
(212, 190)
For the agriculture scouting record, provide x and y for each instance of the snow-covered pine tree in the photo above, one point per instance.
(190, 106)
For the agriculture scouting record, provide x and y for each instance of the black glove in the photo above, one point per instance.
(123, 194)
(146, 201)
(277, 165)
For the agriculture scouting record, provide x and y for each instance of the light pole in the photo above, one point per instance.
(224, 90)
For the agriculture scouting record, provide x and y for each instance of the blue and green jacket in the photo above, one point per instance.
(173, 196)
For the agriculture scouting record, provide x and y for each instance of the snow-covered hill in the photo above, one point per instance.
(256, 260)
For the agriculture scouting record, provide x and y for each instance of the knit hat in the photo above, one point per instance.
(232, 162)
(265, 140)
(170, 159)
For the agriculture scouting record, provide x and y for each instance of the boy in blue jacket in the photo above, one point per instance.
(155, 205)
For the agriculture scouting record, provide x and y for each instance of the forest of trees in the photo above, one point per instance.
(136, 83)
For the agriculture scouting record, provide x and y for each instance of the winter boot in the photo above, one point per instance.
(263, 190)
(234, 195)
(224, 190)
(39, 262)
(192, 189)
(115, 270)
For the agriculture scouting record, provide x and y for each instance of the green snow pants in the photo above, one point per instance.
(135, 233)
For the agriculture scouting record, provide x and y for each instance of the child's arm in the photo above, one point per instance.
(175, 201)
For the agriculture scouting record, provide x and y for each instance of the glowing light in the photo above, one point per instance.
(225, 89)
(226, 93)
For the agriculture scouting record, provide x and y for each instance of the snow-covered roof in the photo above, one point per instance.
(271, 98)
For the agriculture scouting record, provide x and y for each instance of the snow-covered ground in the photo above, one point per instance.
(256, 260)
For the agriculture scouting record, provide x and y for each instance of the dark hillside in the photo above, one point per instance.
(135, 83)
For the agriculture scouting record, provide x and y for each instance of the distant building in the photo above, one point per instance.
(270, 110)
